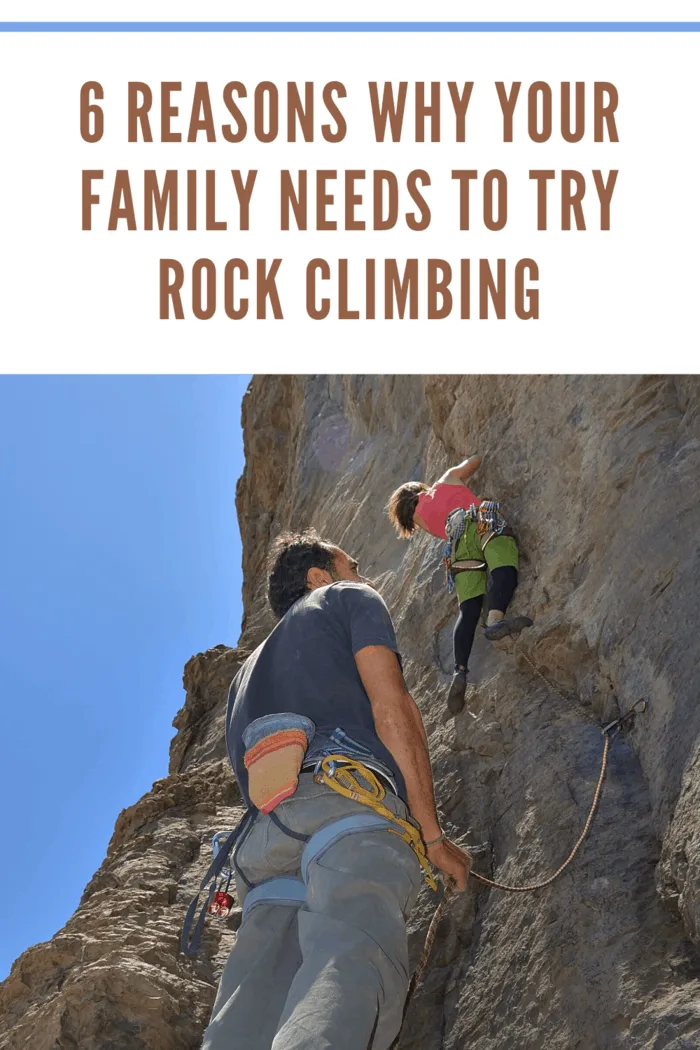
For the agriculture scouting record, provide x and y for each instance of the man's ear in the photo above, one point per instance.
(316, 577)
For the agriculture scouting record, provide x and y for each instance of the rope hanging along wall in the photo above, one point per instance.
(609, 732)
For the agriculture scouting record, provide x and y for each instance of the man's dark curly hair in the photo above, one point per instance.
(402, 506)
(290, 558)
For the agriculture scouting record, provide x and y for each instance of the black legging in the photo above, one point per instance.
(501, 588)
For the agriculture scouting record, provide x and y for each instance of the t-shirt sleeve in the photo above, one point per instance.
(367, 618)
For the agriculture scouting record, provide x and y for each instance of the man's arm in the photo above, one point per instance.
(400, 728)
(462, 472)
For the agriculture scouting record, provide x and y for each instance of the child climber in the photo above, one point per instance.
(480, 546)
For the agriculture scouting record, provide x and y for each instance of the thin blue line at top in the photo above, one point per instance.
(349, 27)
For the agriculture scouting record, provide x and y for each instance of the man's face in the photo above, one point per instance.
(346, 568)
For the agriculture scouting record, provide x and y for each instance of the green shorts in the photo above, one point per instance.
(500, 551)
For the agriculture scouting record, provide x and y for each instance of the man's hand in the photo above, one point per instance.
(452, 861)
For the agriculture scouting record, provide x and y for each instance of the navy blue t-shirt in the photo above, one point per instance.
(307, 666)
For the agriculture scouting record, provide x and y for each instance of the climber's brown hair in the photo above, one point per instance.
(402, 506)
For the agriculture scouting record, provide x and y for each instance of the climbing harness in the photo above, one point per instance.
(489, 523)
(455, 526)
(339, 740)
(289, 890)
(274, 733)
(339, 773)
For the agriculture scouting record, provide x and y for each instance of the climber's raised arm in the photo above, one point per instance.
(460, 474)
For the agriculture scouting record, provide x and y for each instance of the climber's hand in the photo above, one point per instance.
(452, 861)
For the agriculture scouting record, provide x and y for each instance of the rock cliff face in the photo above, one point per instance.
(601, 478)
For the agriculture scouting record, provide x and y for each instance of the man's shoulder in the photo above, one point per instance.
(351, 586)
(342, 601)
(348, 592)
(340, 592)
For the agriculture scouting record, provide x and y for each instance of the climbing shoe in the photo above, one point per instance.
(504, 628)
(455, 697)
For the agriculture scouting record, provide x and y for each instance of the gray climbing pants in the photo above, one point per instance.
(330, 973)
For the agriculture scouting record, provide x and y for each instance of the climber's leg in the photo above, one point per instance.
(470, 588)
(464, 631)
(256, 980)
(501, 555)
(350, 989)
(502, 584)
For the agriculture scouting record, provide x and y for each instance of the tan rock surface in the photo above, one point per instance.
(601, 478)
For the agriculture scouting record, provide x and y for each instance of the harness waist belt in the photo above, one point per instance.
(467, 565)
(378, 770)
(280, 891)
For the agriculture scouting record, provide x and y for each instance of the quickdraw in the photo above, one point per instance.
(338, 772)
(614, 727)
(487, 517)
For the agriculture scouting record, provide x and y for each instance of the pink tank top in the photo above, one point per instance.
(435, 505)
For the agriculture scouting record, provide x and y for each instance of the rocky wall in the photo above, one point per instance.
(601, 478)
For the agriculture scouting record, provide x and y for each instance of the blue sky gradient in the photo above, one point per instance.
(120, 557)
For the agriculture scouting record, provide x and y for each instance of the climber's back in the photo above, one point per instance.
(307, 666)
(435, 504)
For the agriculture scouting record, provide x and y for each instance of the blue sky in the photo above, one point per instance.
(120, 557)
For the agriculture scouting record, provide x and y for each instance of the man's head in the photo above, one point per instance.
(402, 506)
(301, 562)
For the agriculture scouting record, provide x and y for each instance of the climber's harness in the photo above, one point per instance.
(340, 773)
(338, 770)
(489, 523)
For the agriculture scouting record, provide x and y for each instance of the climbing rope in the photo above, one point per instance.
(517, 651)
(430, 938)
(612, 727)
(560, 869)
(448, 893)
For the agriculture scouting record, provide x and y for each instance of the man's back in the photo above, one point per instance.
(326, 877)
(307, 666)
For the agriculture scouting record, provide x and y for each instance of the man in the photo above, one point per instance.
(321, 957)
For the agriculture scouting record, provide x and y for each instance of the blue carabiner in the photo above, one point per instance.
(216, 844)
